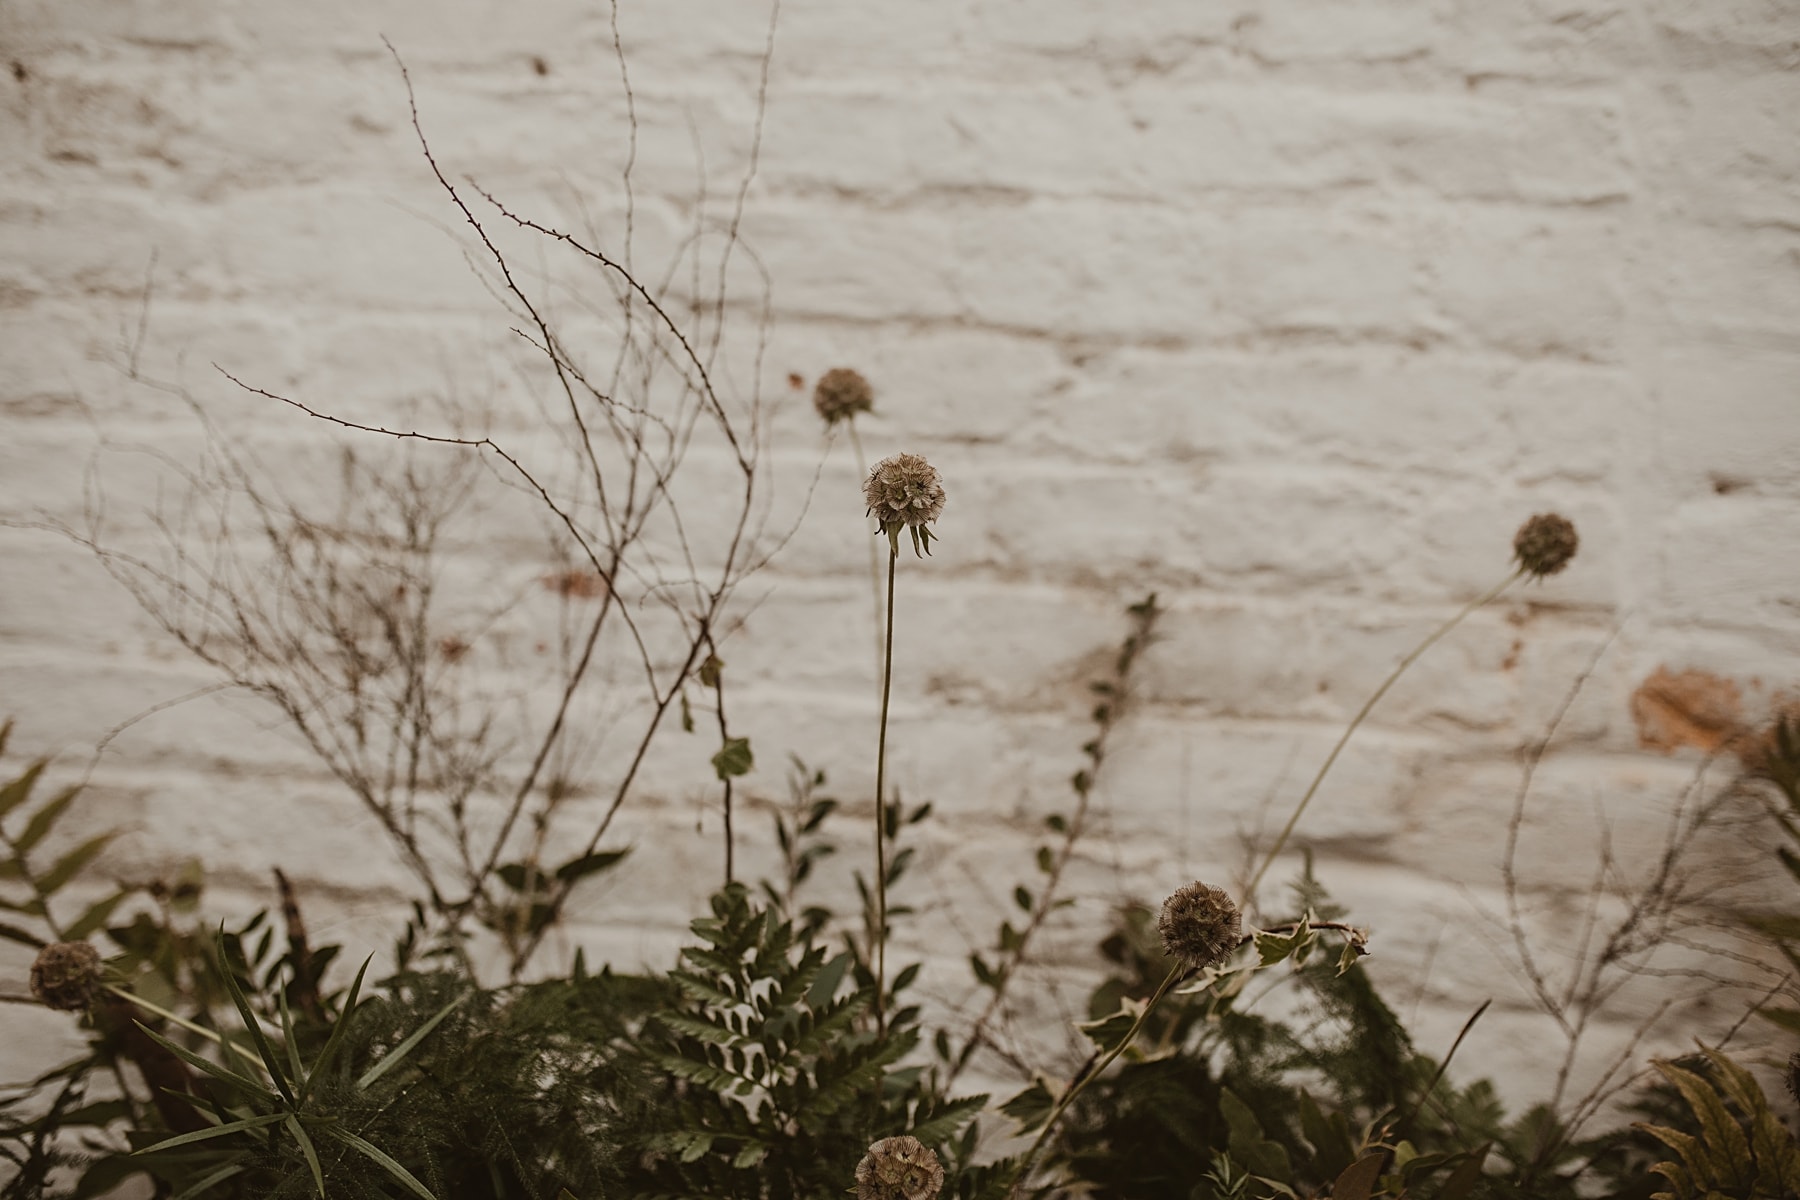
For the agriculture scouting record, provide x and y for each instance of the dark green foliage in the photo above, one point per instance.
(783, 1079)
(1329, 1094)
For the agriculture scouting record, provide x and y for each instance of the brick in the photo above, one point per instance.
(1734, 287)
(1521, 283)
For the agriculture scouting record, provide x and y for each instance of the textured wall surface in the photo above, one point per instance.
(1289, 311)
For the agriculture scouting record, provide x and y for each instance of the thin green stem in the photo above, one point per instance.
(862, 472)
(887, 679)
(166, 1015)
(1089, 1074)
(1362, 713)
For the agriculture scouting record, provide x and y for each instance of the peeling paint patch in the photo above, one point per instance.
(1694, 708)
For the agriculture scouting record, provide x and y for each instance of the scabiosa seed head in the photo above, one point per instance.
(1545, 544)
(905, 492)
(66, 975)
(899, 1168)
(841, 393)
(1200, 925)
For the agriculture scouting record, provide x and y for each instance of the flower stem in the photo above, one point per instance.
(1088, 1074)
(1362, 713)
(887, 679)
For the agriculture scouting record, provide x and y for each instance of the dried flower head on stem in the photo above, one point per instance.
(67, 975)
(905, 492)
(841, 393)
(1200, 925)
(899, 1168)
(1545, 544)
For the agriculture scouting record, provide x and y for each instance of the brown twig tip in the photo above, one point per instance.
(67, 976)
(1545, 544)
(841, 393)
(905, 492)
(899, 1168)
(1200, 925)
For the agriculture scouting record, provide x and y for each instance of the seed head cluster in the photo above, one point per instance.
(1545, 544)
(899, 1168)
(1200, 925)
(67, 975)
(905, 492)
(841, 393)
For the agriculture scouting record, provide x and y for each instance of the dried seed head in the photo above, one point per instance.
(841, 393)
(66, 975)
(1545, 544)
(905, 492)
(899, 1168)
(1200, 925)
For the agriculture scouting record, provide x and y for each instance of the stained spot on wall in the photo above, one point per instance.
(581, 585)
(1676, 709)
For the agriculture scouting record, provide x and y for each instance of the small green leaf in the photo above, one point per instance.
(589, 864)
(1056, 823)
(1357, 1181)
(1022, 897)
(734, 759)
(710, 670)
(1109, 1031)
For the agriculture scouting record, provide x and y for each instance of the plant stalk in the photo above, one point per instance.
(1088, 1075)
(1362, 714)
(887, 679)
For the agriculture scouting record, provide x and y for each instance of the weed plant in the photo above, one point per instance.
(782, 1055)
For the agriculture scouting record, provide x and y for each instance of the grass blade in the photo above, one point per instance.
(263, 1049)
(241, 1082)
(306, 1148)
(393, 1057)
(339, 1029)
(202, 1135)
(375, 1155)
(206, 1181)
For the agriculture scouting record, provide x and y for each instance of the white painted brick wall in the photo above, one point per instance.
(1288, 310)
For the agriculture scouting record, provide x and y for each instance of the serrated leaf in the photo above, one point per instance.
(16, 792)
(1109, 1031)
(1727, 1161)
(1272, 948)
(97, 915)
(734, 758)
(43, 820)
(65, 868)
(13, 933)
